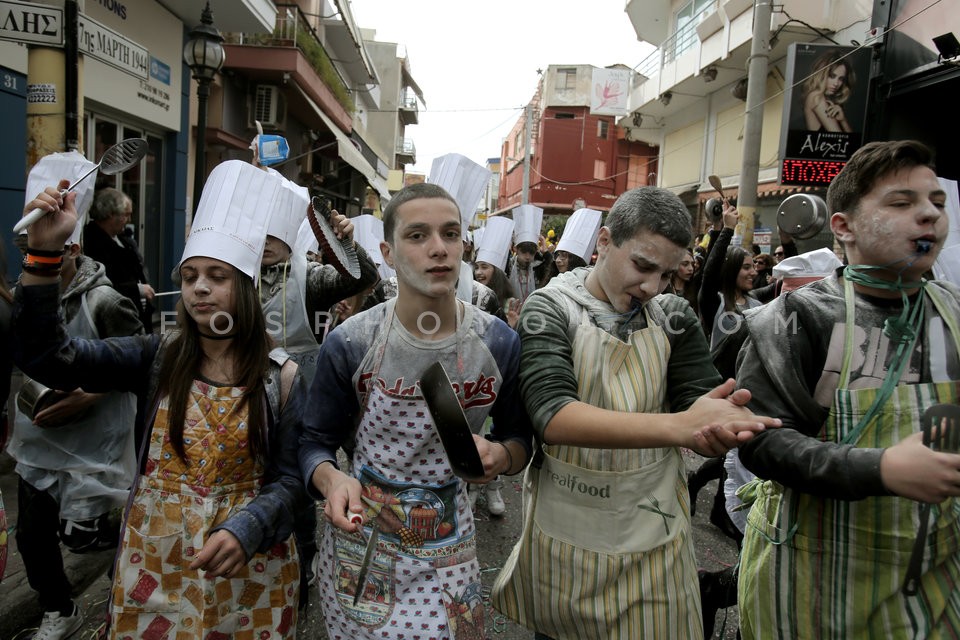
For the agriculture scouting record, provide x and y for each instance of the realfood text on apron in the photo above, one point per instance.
(572, 482)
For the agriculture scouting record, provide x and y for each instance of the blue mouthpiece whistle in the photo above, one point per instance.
(924, 246)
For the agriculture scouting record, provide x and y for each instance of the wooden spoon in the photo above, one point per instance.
(716, 184)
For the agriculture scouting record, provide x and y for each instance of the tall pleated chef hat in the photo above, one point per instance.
(285, 222)
(580, 234)
(463, 179)
(527, 220)
(368, 233)
(495, 242)
(234, 213)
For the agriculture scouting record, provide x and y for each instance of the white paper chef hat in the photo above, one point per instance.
(495, 242)
(234, 212)
(285, 221)
(306, 239)
(53, 168)
(368, 233)
(797, 271)
(580, 234)
(464, 179)
(527, 220)
(477, 237)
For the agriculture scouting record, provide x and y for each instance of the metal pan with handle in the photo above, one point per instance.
(451, 423)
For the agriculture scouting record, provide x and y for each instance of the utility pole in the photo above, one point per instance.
(753, 119)
(527, 136)
(54, 124)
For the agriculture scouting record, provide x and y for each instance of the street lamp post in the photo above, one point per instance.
(204, 54)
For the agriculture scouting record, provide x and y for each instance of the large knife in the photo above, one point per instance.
(451, 424)
(367, 560)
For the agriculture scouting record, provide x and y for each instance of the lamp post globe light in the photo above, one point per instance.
(204, 54)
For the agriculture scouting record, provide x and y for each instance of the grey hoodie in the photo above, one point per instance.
(113, 314)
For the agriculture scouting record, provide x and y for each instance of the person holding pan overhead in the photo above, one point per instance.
(367, 398)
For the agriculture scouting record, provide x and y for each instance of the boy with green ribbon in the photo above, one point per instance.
(851, 363)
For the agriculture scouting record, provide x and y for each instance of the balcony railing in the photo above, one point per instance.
(294, 30)
(682, 40)
(408, 107)
(405, 147)
(408, 100)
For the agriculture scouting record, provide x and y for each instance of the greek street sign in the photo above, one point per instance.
(31, 23)
(109, 47)
(43, 25)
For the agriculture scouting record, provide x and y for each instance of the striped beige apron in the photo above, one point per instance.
(605, 550)
(819, 568)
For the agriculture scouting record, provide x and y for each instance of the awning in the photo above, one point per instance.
(380, 185)
(764, 190)
(345, 149)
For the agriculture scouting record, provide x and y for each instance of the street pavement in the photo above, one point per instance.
(19, 613)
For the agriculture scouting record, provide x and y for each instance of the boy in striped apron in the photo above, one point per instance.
(616, 379)
(851, 363)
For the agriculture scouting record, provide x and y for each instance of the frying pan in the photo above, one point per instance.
(452, 425)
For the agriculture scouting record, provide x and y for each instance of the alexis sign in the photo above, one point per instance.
(824, 111)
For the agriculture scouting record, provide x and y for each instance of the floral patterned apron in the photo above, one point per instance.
(155, 595)
(818, 568)
(424, 581)
(605, 550)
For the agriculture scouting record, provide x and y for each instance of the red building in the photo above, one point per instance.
(577, 158)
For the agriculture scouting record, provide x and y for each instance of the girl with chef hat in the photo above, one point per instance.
(206, 548)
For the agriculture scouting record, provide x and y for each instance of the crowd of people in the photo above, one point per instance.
(812, 385)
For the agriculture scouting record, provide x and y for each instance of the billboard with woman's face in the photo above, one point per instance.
(825, 104)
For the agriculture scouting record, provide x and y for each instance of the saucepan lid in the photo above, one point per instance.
(802, 215)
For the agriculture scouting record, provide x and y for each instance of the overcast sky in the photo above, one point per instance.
(476, 62)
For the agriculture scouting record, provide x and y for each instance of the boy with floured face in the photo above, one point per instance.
(616, 379)
(851, 363)
(366, 398)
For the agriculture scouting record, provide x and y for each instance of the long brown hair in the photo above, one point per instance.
(251, 345)
(729, 273)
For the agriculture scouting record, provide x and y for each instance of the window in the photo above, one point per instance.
(686, 20)
(602, 129)
(600, 169)
(566, 79)
(560, 115)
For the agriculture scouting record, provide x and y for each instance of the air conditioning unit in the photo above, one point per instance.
(268, 107)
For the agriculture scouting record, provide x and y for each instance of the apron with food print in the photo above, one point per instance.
(424, 579)
(605, 550)
(818, 568)
(155, 593)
